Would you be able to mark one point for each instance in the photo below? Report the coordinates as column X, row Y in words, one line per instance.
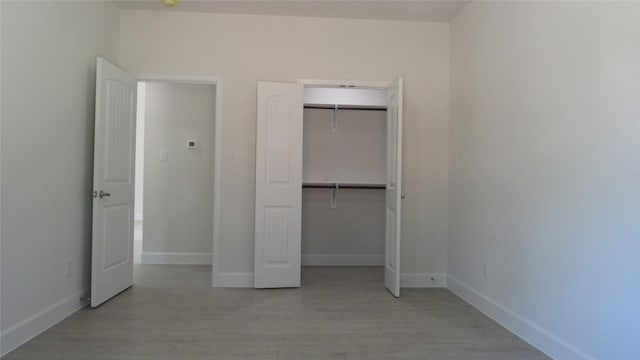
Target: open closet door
column 278, row 219
column 394, row 188
column 113, row 182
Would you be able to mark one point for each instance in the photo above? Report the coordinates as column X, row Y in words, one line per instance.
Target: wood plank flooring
column 339, row 313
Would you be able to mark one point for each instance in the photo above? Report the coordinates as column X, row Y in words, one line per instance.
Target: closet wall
column 544, row 186
column 351, row 230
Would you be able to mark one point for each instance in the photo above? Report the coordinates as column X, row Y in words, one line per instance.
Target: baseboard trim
column 233, row 279
column 527, row 330
column 35, row 324
column 342, row 260
column 417, row 280
column 164, row 258
column 423, row 280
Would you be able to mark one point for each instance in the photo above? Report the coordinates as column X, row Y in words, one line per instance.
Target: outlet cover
column 192, row 144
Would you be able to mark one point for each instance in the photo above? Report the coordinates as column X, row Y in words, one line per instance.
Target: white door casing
column 394, row 188
column 278, row 216
column 113, row 182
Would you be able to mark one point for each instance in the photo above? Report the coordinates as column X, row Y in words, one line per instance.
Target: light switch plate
column 233, row 152
column 164, row 157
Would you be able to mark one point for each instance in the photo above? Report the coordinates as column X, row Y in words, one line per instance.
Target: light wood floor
column 338, row 313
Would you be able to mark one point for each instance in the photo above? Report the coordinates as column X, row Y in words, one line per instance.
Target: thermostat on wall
column 192, row 144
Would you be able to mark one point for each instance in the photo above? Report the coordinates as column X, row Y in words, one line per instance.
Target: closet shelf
column 342, row 185
column 345, row 107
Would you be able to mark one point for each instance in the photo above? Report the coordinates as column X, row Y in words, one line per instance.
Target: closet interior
column 328, row 180
column 344, row 176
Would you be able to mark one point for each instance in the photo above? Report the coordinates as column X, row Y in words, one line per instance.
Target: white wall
column 352, row 233
column 545, row 189
column 355, row 152
column 178, row 193
column 244, row 49
column 48, row 83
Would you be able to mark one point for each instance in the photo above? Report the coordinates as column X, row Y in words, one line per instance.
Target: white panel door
column 278, row 218
column 113, row 182
column 394, row 188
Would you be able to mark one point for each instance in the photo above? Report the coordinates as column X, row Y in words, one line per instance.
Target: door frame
column 368, row 84
column 362, row 84
column 216, row 81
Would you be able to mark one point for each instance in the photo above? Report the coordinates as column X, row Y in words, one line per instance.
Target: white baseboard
column 342, row 260
column 527, row 330
column 35, row 324
column 233, row 279
column 245, row 279
column 162, row 258
column 423, row 280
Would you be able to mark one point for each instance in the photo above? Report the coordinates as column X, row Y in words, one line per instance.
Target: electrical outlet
column 485, row 270
column 68, row 268
column 192, row 144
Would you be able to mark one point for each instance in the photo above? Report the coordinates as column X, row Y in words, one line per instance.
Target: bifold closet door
column 394, row 188
column 278, row 217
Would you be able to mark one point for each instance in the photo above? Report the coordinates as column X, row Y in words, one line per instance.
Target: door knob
column 103, row 194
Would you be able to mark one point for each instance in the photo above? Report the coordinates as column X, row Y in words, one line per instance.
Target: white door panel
column 394, row 188
column 113, row 182
column 278, row 219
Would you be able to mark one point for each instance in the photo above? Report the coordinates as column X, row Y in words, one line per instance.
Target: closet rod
column 343, row 186
column 346, row 107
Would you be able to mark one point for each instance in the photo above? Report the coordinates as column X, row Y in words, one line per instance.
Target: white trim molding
column 35, row 324
column 167, row 258
column 342, row 260
column 233, row 279
column 423, row 280
column 366, row 84
column 525, row 329
column 178, row 78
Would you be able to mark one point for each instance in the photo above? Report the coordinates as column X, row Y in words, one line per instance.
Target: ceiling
column 424, row 10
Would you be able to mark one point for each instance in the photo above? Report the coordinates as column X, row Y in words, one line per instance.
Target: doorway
column 343, row 187
column 282, row 172
column 178, row 145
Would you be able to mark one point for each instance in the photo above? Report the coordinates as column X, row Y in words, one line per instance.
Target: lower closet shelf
column 342, row 185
